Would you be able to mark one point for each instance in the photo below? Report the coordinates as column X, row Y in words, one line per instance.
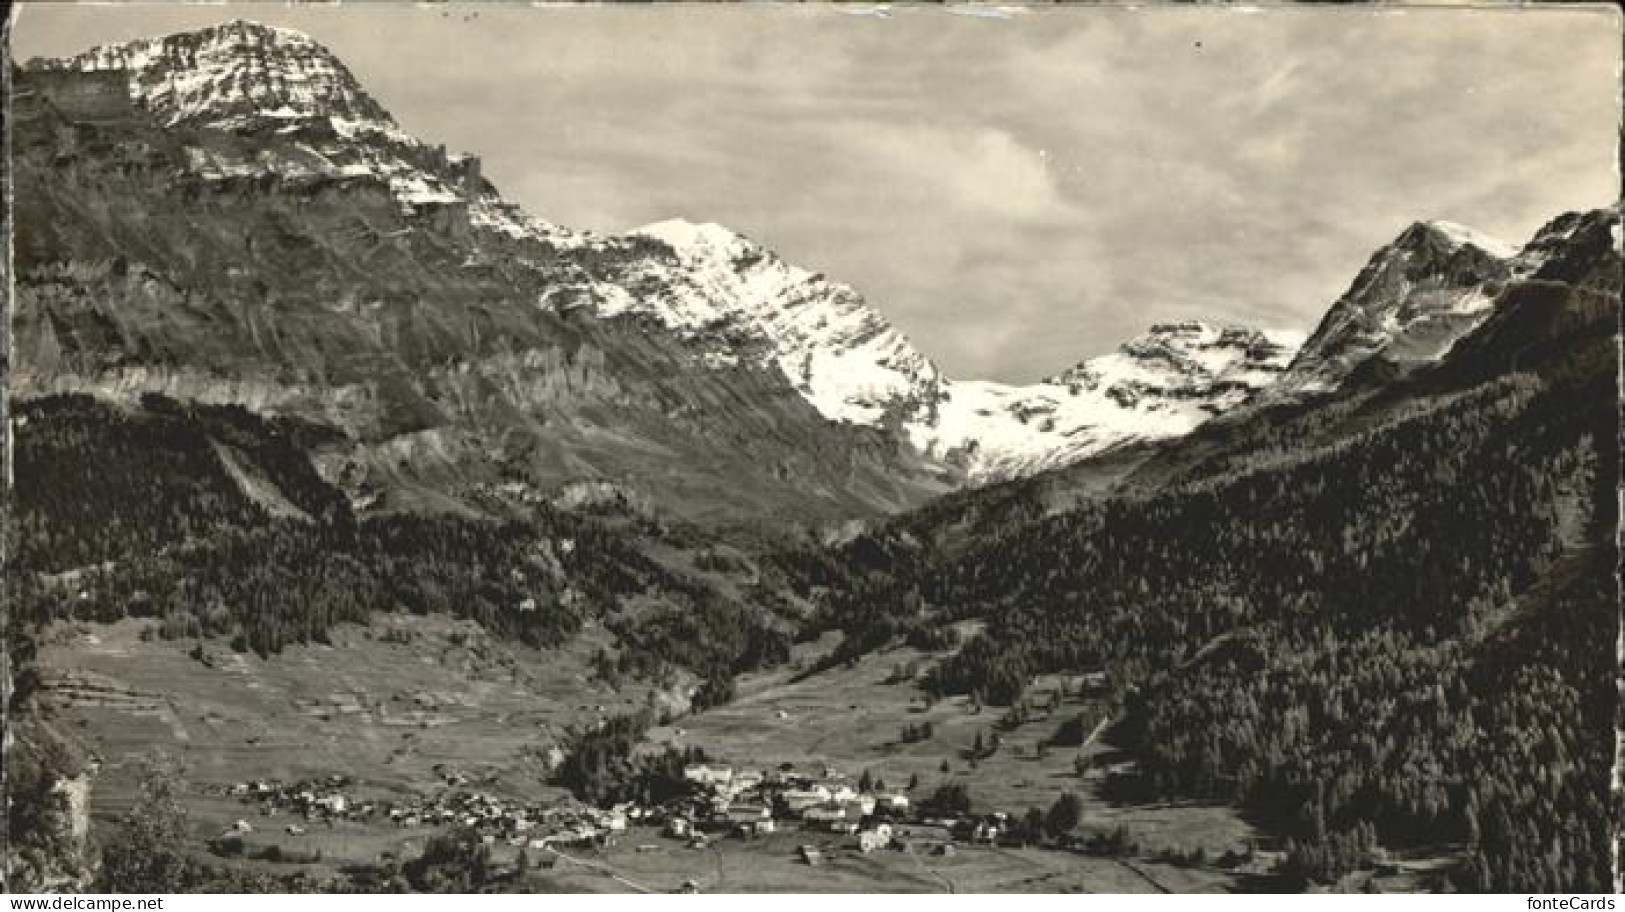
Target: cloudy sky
column 1015, row 192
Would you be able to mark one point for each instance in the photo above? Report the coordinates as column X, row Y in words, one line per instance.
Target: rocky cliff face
column 1561, row 313
column 233, row 75
column 1435, row 283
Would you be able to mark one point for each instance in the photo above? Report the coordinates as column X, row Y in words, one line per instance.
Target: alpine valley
column 481, row 549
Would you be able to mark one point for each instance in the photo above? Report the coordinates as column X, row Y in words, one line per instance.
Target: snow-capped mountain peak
column 694, row 240
column 1417, row 295
column 722, row 289
column 1188, row 357
column 1157, row 385
column 855, row 367
column 235, row 72
column 251, row 79
column 1463, row 235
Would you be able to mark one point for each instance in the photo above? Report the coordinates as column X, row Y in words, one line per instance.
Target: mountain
column 855, row 367
column 1159, row 385
column 278, row 364
column 231, row 217
column 1432, row 285
column 841, row 354
column 232, row 220
column 1415, row 297
column 1370, row 601
column 233, row 75
column 1562, row 313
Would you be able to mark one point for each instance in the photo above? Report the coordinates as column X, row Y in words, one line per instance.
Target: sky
column 1015, row 190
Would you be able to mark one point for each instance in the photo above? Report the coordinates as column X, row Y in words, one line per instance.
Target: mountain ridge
column 729, row 300
column 730, row 297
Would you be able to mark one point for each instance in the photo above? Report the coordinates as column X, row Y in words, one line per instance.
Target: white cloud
column 981, row 171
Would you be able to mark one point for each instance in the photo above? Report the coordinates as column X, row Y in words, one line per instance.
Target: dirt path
column 1100, row 728
column 717, row 854
column 947, row 884
column 605, row 870
column 1143, row 876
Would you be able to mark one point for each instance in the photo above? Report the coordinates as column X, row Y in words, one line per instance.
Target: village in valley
column 846, row 780
column 849, row 779
column 710, row 824
column 822, row 802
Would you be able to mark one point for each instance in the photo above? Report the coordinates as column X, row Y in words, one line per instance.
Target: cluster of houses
column 327, row 800
column 313, row 799
column 720, row 802
column 751, row 803
column 562, row 823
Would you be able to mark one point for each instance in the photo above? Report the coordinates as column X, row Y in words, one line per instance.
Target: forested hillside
column 212, row 523
column 1386, row 618
column 212, row 520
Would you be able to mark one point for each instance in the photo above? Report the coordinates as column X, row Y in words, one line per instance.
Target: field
column 386, row 704
column 851, row 719
column 772, row 864
column 407, row 701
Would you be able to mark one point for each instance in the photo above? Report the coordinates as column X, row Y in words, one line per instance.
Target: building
column 748, row 812
column 750, row 829
column 705, row 774
column 840, row 791
column 800, row 800
column 824, row 815
column 876, row 837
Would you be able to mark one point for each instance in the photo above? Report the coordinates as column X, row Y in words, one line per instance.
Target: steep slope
column 856, row 367
column 288, row 249
column 232, row 74
column 844, row 357
column 1415, row 297
column 1363, row 618
column 1562, row 309
column 320, row 303
column 1433, row 285
column 1557, row 296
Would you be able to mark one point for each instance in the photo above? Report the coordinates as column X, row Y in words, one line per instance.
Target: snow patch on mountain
column 233, row 72
column 245, row 77
column 1461, row 234
column 846, row 359
column 1159, row 385
column 855, row 367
